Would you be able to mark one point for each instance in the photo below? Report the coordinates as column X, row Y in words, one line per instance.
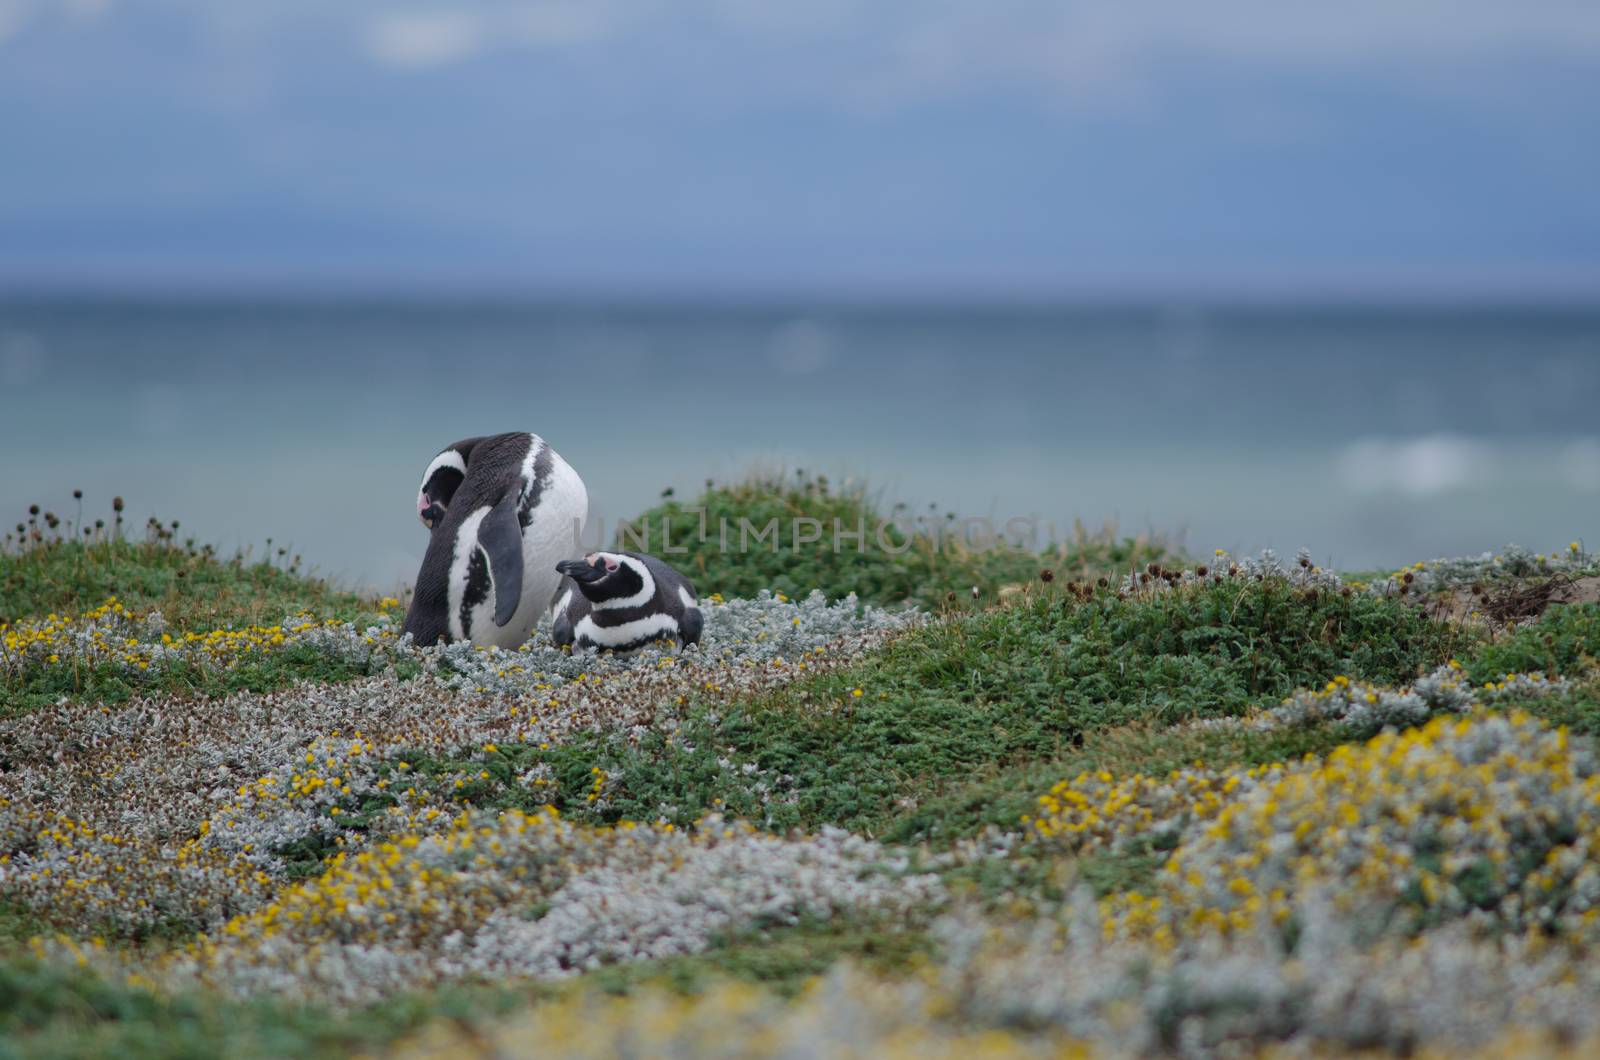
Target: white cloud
column 436, row 38
column 425, row 39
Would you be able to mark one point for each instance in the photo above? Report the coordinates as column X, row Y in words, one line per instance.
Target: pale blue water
column 1372, row 437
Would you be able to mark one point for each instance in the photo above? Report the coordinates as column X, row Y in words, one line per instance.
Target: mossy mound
column 54, row 567
column 793, row 534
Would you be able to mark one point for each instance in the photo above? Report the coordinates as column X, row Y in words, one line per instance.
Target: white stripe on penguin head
column 466, row 544
column 449, row 458
column 647, row 588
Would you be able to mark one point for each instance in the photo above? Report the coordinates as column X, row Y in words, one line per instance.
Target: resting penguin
column 502, row 511
column 622, row 601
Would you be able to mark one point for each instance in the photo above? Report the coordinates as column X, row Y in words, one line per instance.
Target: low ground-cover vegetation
column 998, row 688
column 1195, row 811
column 104, row 614
column 51, row 564
column 798, row 534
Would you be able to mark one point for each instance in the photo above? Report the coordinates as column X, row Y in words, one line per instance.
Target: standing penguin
column 623, row 601
column 502, row 511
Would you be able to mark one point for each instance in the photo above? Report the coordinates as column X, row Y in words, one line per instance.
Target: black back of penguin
column 495, row 466
column 621, row 601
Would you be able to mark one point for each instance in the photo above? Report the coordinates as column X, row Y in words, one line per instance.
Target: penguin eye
column 611, row 565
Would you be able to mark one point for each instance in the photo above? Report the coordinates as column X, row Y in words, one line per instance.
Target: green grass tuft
column 914, row 562
column 192, row 587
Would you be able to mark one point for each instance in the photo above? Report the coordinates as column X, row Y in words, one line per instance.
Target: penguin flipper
column 500, row 537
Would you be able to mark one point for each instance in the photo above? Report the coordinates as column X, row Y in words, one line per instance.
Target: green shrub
column 1560, row 643
column 741, row 538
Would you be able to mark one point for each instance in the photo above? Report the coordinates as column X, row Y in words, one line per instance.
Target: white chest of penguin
column 548, row 537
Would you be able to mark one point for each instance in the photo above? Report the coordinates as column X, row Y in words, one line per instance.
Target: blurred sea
column 1373, row 437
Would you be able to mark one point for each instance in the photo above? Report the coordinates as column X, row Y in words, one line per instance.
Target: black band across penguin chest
column 628, row 628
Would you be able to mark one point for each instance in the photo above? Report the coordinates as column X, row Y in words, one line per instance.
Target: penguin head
column 440, row 481
column 604, row 576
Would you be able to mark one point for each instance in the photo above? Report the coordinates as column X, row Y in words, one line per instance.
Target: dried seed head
column 33, row 509
column 1201, row 571
column 116, row 504
column 77, row 495
column 1102, row 583
column 1047, row 575
column 1409, row 578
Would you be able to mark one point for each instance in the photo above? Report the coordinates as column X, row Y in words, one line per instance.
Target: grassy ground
column 950, row 732
column 191, row 586
column 193, row 589
column 951, row 711
column 921, row 557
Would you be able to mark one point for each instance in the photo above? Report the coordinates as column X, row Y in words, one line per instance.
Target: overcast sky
column 864, row 147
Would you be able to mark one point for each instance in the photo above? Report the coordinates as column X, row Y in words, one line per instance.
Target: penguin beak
column 579, row 571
